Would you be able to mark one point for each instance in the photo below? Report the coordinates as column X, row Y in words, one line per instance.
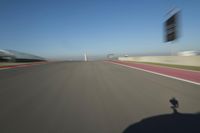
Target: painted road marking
column 20, row 66
column 181, row 79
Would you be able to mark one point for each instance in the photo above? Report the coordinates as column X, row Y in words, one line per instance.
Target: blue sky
column 67, row 28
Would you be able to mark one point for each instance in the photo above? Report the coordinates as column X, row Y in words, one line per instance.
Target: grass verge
column 196, row 68
column 10, row 64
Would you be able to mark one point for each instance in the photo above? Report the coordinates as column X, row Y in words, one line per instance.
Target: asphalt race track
column 94, row 97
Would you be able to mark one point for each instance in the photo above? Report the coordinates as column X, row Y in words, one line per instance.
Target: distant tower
column 85, row 57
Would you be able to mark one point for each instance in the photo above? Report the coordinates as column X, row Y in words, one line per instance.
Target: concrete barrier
column 176, row 60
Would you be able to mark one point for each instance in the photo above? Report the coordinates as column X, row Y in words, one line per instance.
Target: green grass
column 196, row 68
column 10, row 63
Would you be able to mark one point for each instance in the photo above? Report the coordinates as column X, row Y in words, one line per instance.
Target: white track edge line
column 185, row 80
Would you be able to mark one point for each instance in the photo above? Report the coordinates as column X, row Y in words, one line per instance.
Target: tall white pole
column 85, row 57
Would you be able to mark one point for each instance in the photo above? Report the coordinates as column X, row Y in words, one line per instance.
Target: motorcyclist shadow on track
column 168, row 123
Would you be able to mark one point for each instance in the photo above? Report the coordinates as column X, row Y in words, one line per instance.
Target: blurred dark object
column 168, row 123
column 16, row 56
column 171, row 27
column 175, row 104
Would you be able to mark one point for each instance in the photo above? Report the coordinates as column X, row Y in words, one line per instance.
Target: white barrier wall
column 176, row 60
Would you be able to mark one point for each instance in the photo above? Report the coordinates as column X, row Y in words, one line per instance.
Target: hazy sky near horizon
column 66, row 28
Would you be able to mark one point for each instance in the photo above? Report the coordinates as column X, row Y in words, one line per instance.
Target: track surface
column 86, row 97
